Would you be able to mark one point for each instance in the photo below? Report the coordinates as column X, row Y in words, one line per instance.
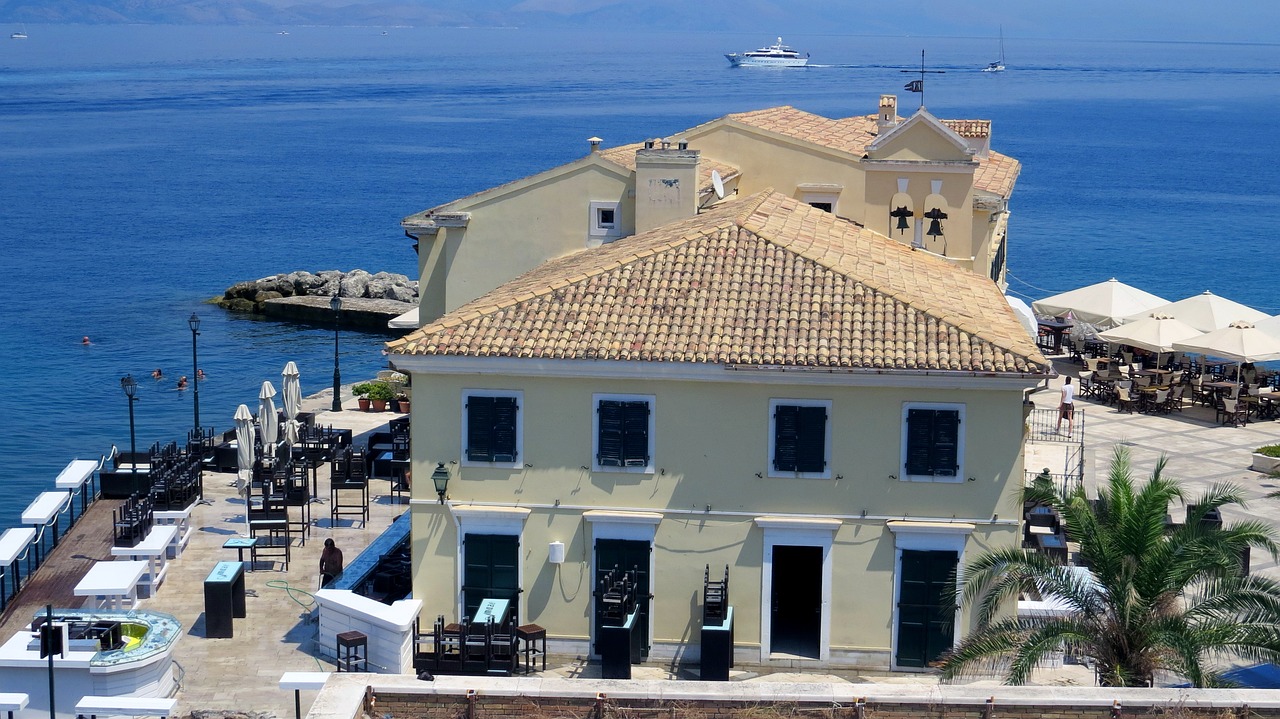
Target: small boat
column 20, row 35
column 777, row 55
column 998, row 65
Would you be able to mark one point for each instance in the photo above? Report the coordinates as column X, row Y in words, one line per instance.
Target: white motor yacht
column 777, row 55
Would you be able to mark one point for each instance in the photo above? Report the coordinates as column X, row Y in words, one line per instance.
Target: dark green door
column 925, row 607
column 492, row 570
column 625, row 554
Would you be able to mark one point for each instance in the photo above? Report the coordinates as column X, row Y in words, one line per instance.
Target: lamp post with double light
column 130, row 387
column 335, row 303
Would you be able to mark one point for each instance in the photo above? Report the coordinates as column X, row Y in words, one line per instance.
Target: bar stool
column 353, row 650
column 534, row 640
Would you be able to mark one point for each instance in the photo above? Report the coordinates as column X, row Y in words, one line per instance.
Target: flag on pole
column 914, row 86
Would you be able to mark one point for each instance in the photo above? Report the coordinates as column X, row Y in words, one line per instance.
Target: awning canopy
column 1105, row 304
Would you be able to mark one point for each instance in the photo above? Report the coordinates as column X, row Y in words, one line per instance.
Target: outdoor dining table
column 153, row 551
column 13, row 543
column 112, row 584
column 74, row 476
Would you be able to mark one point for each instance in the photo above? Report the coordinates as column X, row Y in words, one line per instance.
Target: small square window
column 933, row 443
column 491, row 427
column 624, row 426
column 824, row 206
column 800, row 438
column 605, row 221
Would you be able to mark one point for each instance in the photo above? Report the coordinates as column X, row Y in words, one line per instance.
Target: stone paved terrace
column 1200, row 452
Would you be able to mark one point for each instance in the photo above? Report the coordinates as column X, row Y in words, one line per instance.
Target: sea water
column 145, row 169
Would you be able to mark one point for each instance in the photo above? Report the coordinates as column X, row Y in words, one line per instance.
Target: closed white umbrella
column 1206, row 312
column 244, row 457
column 291, row 388
column 267, row 420
column 292, row 431
column 1105, row 304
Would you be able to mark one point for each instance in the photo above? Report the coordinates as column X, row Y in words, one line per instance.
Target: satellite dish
column 717, row 183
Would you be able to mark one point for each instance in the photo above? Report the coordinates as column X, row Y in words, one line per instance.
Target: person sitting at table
column 1248, row 373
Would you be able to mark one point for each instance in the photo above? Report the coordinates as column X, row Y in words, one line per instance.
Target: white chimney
column 594, row 142
column 887, row 117
column 666, row 185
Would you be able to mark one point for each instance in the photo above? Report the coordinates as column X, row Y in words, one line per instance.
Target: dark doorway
column 492, row 570
column 625, row 555
column 796, row 619
column 925, row 606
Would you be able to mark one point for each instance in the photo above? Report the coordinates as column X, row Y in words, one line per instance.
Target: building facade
column 765, row 387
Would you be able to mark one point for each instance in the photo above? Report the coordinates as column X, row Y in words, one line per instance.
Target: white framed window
column 605, row 220
column 825, row 201
column 492, row 428
column 622, row 430
column 800, row 438
column 932, row 442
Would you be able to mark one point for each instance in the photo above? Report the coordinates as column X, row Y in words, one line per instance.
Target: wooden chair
column 1233, row 412
column 1161, row 403
column 1124, row 401
column 1175, row 396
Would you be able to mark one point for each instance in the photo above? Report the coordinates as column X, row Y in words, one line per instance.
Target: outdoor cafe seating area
column 1238, row 394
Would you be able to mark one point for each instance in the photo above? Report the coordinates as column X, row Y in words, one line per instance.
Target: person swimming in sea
column 157, row 374
column 199, row 375
column 85, row 341
column 182, row 382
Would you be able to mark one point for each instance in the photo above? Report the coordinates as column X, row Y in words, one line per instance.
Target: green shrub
column 362, row 390
column 380, row 391
column 1271, row 450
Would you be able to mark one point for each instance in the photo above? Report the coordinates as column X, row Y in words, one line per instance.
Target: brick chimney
column 666, row 184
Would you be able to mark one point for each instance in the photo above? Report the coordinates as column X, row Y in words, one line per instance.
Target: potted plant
column 361, row 391
column 379, row 394
column 1267, row 459
column 400, row 403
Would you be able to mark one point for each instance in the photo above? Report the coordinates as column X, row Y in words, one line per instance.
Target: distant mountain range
column 718, row 14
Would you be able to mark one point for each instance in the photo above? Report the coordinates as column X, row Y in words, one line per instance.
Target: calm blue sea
column 144, row 169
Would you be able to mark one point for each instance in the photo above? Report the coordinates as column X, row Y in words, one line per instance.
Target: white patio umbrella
column 1270, row 325
column 1206, row 312
column 1156, row 333
column 291, row 388
column 292, row 431
column 244, row 456
column 1239, row 341
column 1105, row 304
column 267, row 421
column 1026, row 317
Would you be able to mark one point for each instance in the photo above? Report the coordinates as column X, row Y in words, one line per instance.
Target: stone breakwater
column 253, row 295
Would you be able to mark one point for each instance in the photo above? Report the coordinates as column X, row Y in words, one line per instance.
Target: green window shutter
column 811, row 439
column 946, row 442
column 919, row 441
column 786, row 438
column 480, row 429
column 635, row 434
column 609, row 439
column 504, row 429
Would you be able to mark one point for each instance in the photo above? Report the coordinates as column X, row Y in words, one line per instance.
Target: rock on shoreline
column 252, row 296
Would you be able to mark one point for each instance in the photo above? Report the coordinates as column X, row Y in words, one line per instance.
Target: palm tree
column 1153, row 597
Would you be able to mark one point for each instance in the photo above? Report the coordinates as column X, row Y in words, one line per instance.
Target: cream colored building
column 831, row 414
column 932, row 184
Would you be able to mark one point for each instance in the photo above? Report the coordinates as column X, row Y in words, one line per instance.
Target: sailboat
column 998, row 65
column 20, row 35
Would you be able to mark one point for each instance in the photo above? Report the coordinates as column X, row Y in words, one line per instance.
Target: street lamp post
column 194, row 323
column 335, row 303
column 130, row 387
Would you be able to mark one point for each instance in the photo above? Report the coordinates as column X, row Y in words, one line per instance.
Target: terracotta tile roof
column 625, row 155
column 851, row 134
column 765, row 280
column 996, row 173
column 971, row 129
